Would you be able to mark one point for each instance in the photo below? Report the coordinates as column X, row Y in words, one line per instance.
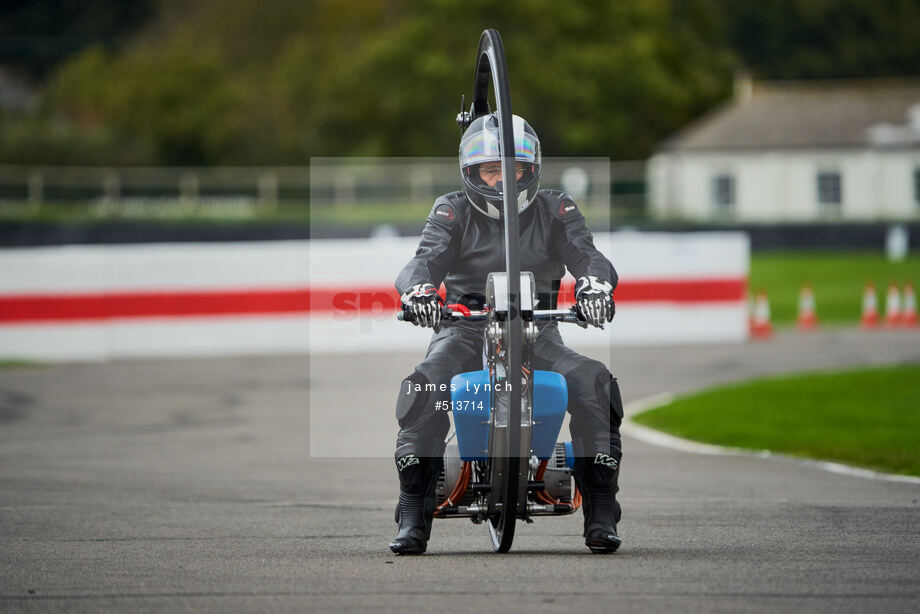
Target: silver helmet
column 481, row 144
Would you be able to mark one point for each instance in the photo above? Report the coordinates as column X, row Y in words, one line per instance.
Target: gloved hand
column 424, row 303
column 594, row 300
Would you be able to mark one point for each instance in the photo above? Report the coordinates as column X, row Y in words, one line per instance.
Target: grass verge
column 868, row 417
column 14, row 363
column 239, row 211
column 837, row 277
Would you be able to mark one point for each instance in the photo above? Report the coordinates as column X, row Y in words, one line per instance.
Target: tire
column 492, row 66
column 501, row 525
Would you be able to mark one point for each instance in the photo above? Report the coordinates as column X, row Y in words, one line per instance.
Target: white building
column 796, row 151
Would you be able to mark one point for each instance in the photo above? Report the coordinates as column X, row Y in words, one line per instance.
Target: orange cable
column 544, row 496
column 463, row 482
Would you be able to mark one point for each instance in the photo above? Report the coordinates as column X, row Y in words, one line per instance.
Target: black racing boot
column 596, row 479
column 418, row 480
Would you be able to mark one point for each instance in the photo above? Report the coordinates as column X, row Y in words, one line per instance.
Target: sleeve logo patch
column 445, row 211
column 566, row 207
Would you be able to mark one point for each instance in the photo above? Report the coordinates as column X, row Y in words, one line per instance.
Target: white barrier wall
column 115, row 301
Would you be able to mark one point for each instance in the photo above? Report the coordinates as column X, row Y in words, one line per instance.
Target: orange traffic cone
column 760, row 323
column 869, row 307
column 893, row 306
column 807, row 320
column 909, row 317
column 750, row 311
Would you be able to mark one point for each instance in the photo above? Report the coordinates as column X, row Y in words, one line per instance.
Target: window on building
column 723, row 193
column 829, row 192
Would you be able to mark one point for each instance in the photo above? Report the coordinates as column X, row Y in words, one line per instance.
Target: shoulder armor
column 560, row 205
column 449, row 209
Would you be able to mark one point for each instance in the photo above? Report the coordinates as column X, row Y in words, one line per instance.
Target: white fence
column 324, row 182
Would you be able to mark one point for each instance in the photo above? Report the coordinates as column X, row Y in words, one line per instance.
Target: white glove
column 424, row 303
column 594, row 300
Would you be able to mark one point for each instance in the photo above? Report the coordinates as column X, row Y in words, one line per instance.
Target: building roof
column 808, row 114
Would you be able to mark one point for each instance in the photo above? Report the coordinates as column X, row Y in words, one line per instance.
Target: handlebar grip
column 408, row 316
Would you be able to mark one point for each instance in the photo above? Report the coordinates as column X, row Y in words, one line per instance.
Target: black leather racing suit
column 461, row 247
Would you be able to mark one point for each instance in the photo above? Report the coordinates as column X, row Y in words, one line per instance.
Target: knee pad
column 413, row 394
column 608, row 391
column 425, row 448
column 598, row 449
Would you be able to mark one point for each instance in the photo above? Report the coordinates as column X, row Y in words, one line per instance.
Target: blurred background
column 203, row 207
column 794, row 121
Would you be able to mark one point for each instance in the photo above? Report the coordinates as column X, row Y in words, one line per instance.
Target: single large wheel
column 506, row 448
column 501, row 524
column 503, row 469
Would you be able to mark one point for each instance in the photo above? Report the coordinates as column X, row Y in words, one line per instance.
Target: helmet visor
column 483, row 145
column 488, row 176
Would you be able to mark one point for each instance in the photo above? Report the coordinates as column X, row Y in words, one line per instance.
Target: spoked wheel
column 501, row 524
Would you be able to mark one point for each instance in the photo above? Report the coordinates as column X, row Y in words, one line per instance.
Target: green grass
column 13, row 363
column 369, row 214
column 230, row 212
column 838, row 279
column 168, row 213
column 219, row 213
column 868, row 417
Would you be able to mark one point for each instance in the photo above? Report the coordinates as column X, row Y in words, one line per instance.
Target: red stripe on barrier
column 170, row 304
column 678, row 291
column 371, row 300
column 381, row 299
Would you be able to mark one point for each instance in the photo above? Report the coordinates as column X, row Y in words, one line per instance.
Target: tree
column 821, row 39
column 237, row 82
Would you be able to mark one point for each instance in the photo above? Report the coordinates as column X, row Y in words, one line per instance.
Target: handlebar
column 447, row 314
column 540, row 315
column 558, row 315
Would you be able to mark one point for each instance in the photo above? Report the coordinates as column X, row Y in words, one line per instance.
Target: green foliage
column 178, row 99
column 237, row 83
column 594, row 79
column 869, row 417
column 35, row 35
column 41, row 139
column 247, row 82
column 821, row 39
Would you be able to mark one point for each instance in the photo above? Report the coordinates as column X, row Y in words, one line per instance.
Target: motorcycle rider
column 461, row 243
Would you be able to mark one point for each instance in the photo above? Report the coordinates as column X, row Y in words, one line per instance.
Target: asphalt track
column 186, row 485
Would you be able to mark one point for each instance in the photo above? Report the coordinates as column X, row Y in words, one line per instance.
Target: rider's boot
column 596, row 479
column 418, row 480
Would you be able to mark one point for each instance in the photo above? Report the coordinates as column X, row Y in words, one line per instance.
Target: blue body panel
column 569, row 454
column 472, row 399
column 550, row 398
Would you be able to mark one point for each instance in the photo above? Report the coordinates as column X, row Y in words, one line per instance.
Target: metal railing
column 86, row 184
column 325, row 182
